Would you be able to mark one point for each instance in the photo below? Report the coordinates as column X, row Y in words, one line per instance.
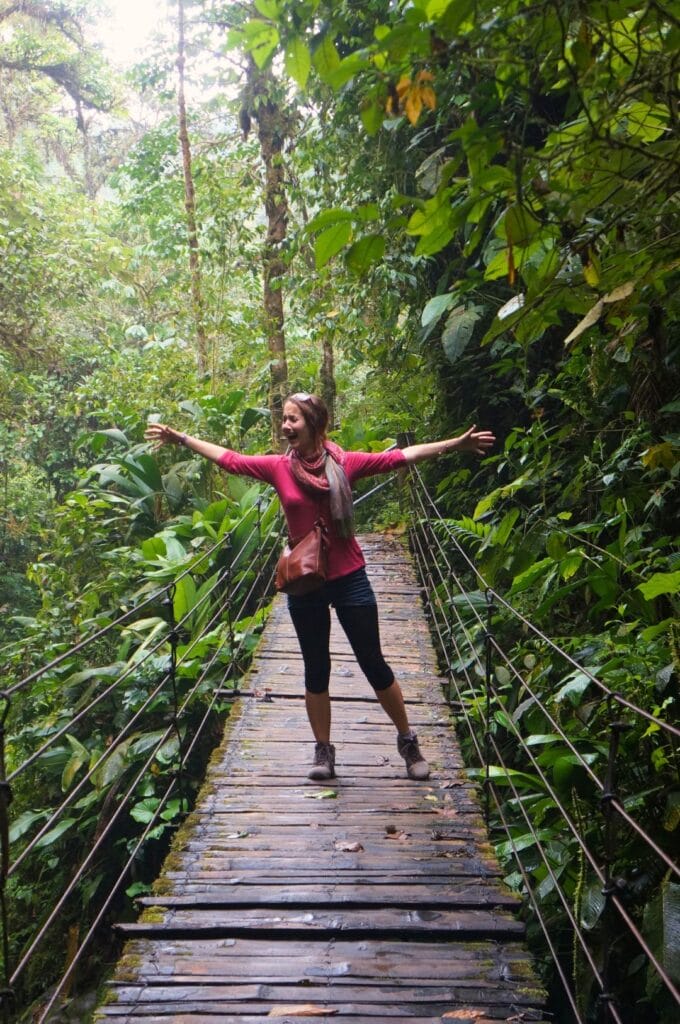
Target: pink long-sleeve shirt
column 302, row 508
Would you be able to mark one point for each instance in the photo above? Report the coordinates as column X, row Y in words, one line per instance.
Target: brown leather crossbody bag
column 303, row 566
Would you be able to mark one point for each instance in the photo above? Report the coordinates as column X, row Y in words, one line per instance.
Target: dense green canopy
column 434, row 212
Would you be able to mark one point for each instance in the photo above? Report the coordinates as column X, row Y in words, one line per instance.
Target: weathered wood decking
column 371, row 898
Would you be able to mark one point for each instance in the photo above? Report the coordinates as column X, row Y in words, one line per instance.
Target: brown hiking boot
column 417, row 767
column 324, row 762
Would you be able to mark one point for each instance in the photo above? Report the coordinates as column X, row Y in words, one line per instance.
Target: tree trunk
column 328, row 389
column 190, row 205
column 90, row 186
column 272, row 128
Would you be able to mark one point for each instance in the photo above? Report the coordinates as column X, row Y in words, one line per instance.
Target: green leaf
column 525, row 842
column 458, row 330
column 73, row 766
column 326, row 59
column 539, row 738
column 145, row 811
column 372, row 113
column 298, row 61
column 660, row 583
column 573, row 689
column 518, row 225
column 262, row 38
column 436, row 307
column 365, row 251
column 501, row 777
column 527, row 578
column 435, row 240
column 349, row 67
column 55, row 833
column 334, row 215
column 185, row 597
column 501, row 533
column 267, row 8
column 324, row 794
column 23, row 823
column 114, row 433
column 330, row 242
column 570, row 564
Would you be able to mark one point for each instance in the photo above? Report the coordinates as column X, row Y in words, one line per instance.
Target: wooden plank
column 417, row 923
column 237, row 1014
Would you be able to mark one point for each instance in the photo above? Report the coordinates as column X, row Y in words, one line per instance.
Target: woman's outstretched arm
column 476, row 441
column 159, row 435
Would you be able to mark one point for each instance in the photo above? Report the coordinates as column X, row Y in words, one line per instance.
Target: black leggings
column 360, row 623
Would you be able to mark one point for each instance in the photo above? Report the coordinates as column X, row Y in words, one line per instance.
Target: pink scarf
column 324, row 473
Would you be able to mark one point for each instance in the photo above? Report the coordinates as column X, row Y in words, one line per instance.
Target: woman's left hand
column 476, row 441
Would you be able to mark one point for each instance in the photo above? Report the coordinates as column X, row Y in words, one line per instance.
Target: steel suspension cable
column 546, row 861
column 76, row 648
column 534, row 629
column 670, row 864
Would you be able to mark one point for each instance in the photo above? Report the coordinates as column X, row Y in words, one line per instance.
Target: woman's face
column 296, row 430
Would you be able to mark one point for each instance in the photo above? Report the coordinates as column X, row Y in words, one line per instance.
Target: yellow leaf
column 660, row 455
column 591, row 317
column 512, row 272
column 622, row 292
column 425, row 76
column 591, row 275
column 428, row 97
column 302, row 1010
column 403, row 85
column 413, row 106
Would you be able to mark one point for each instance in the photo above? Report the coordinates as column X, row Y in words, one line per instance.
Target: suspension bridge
column 369, row 898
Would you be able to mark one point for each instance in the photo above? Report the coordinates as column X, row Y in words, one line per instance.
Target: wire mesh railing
column 121, row 763
column 561, row 800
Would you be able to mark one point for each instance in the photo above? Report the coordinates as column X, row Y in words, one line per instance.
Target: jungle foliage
column 481, row 226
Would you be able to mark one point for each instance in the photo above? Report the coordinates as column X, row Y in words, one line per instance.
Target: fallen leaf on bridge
column 348, row 847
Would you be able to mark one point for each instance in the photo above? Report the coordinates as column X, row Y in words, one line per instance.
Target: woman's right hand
column 159, row 434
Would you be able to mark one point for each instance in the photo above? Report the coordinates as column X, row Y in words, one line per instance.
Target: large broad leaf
column 573, row 689
column 261, row 38
column 114, row 434
column 660, row 583
column 366, row 251
column 185, row 597
column 518, row 225
column 330, row 242
column 24, row 822
column 436, row 307
column 252, row 415
column 326, row 59
column 298, row 61
column 527, row 578
column 458, row 330
column 334, row 215
column 55, row 833
column 347, row 69
column 268, row 8
column 145, row 469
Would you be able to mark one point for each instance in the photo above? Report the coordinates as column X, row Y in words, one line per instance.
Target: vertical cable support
column 612, row 886
column 6, row 993
column 488, row 676
column 173, row 638
column 230, row 621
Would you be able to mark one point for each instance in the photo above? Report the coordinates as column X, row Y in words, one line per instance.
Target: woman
column 313, row 479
